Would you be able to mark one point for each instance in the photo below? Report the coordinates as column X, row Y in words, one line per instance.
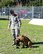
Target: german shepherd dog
column 23, row 39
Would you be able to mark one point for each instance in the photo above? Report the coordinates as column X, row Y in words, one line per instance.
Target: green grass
column 35, row 33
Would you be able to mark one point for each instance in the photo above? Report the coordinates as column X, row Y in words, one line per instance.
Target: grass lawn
column 35, row 33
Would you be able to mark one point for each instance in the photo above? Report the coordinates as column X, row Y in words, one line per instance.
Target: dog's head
column 17, row 42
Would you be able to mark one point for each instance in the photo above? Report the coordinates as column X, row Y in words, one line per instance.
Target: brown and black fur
column 25, row 40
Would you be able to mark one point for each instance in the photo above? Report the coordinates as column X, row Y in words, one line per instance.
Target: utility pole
column 8, row 11
column 42, row 2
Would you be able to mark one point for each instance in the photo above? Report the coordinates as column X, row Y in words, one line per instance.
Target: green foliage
column 24, row 2
column 5, row 3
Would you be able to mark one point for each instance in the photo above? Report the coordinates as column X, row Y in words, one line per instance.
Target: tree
column 5, row 3
column 23, row 2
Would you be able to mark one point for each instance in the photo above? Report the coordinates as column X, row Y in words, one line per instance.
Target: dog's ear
column 22, row 35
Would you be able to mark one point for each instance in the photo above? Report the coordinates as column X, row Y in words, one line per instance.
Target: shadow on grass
column 37, row 43
column 34, row 46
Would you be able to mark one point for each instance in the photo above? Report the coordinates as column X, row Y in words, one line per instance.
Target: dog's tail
column 37, row 43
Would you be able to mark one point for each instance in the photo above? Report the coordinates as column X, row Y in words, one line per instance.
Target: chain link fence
column 23, row 12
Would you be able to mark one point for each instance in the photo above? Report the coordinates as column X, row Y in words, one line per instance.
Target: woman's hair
column 11, row 12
